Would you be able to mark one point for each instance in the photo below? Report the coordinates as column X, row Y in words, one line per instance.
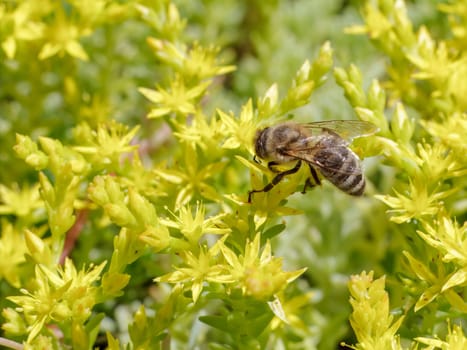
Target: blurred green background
column 267, row 41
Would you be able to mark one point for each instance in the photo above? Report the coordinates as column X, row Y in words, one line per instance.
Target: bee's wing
column 347, row 129
column 308, row 155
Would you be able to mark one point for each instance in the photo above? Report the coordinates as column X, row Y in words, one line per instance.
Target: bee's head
column 260, row 142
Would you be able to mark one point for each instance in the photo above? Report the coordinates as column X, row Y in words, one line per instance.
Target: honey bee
column 322, row 145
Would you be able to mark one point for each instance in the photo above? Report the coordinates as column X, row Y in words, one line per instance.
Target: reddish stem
column 73, row 234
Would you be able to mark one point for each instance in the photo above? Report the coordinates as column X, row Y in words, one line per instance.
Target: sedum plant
column 123, row 232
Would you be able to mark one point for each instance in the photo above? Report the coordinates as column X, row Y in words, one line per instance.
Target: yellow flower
column 260, row 276
column 20, row 25
column 449, row 238
column 178, row 99
column 287, row 311
column 455, row 340
column 240, row 131
column 20, row 202
column 417, row 202
column 203, row 133
column 371, row 320
column 60, row 295
column 434, row 282
column 452, row 132
column 196, row 63
column 193, row 227
column 201, row 63
column 197, row 270
column 62, row 37
column 192, row 178
column 107, row 144
column 438, row 162
column 12, row 250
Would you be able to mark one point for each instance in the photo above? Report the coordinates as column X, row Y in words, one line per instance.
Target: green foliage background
column 126, row 159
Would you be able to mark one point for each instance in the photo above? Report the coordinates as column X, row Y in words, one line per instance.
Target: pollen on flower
column 260, row 284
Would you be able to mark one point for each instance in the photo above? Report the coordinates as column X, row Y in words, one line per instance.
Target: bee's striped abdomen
column 342, row 168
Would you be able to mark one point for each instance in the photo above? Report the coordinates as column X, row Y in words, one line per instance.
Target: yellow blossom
column 192, row 178
column 59, row 296
column 289, row 310
column 455, row 340
column 242, row 130
column 417, row 202
column 258, row 275
column 371, row 319
column 197, row 270
column 12, row 253
column 448, row 237
column 193, row 227
column 178, row 99
column 22, row 202
column 106, row 144
column 197, row 63
column 62, row 36
column 20, row 24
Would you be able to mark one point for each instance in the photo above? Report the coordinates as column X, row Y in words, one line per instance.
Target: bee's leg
column 256, row 160
column 315, row 176
column 316, row 180
column 308, row 184
column 271, row 166
column 278, row 178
